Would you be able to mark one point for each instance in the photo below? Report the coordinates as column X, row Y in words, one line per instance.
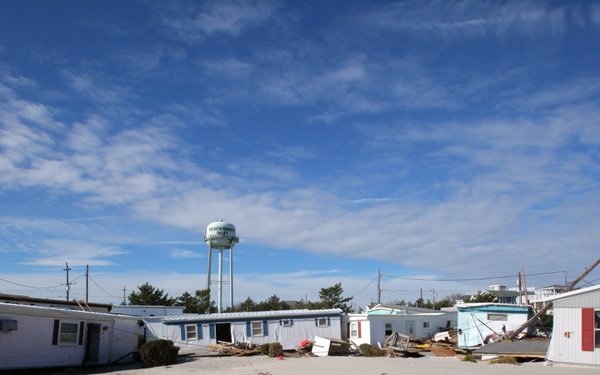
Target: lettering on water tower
column 222, row 231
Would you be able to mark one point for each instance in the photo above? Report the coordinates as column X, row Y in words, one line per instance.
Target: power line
column 30, row 286
column 362, row 290
column 108, row 294
column 471, row 279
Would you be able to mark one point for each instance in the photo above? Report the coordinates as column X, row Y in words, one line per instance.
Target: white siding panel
column 591, row 299
column 566, row 339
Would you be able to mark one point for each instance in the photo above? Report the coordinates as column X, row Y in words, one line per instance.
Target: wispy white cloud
column 421, row 157
column 473, row 19
column 192, row 23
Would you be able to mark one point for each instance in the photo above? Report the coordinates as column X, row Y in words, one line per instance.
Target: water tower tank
column 220, row 235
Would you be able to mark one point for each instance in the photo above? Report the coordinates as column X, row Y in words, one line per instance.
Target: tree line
column 200, row 303
column 329, row 298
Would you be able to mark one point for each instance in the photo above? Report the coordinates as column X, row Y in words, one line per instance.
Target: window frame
column 194, row 331
column 388, row 328
column 257, row 328
column 497, row 317
column 287, row 322
column 596, row 328
column 322, row 322
column 354, row 330
column 426, row 325
column 64, row 338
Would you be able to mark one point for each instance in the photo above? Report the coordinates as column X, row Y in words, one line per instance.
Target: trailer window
column 322, row 322
column 597, row 328
column 191, row 332
column 257, row 329
column 354, row 331
column 497, row 317
column 68, row 333
column 388, row 329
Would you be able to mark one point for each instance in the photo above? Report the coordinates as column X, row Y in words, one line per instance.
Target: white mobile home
column 478, row 323
column 576, row 332
column 379, row 322
column 59, row 304
column 287, row 327
column 146, row 310
column 42, row 337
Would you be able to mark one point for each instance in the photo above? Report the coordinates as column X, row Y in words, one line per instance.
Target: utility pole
column 421, row 300
column 545, row 308
column 68, row 284
column 378, row 286
column 433, row 292
column 524, row 286
column 87, row 283
column 124, row 298
column 520, row 289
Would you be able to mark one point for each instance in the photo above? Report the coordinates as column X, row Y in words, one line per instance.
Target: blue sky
column 447, row 143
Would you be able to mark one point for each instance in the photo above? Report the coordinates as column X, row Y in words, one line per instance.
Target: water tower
column 221, row 236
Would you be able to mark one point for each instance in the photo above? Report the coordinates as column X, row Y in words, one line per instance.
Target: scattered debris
column 323, row 347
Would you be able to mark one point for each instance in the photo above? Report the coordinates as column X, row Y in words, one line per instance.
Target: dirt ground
column 198, row 364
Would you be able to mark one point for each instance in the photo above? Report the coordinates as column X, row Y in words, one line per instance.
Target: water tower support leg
column 231, row 277
column 220, row 297
column 209, row 266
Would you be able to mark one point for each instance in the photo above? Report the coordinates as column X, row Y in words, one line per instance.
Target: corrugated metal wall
column 566, row 346
column 591, row 299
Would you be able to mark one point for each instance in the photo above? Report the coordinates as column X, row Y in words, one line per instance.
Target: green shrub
column 365, row 349
column 469, row 358
column 275, row 350
column 159, row 353
column 508, row 360
column 264, row 349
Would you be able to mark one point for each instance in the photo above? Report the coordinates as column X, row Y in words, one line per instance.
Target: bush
column 365, row 349
column 264, row 349
column 371, row 351
column 508, row 360
column 275, row 350
column 469, row 358
column 159, row 353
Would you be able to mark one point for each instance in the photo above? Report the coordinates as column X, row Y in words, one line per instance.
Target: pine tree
column 331, row 298
column 150, row 296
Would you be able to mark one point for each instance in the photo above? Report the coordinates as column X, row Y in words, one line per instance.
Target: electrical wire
column 363, row 289
column 30, row 286
column 470, row 279
column 105, row 292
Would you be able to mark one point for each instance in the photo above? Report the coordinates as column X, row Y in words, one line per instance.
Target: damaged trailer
column 45, row 337
column 287, row 327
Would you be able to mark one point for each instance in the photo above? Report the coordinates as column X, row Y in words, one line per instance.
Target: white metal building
column 379, row 322
column 576, row 332
column 478, row 323
column 42, row 337
column 287, row 327
column 146, row 310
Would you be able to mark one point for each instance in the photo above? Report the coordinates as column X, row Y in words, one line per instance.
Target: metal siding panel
column 566, row 339
column 591, row 299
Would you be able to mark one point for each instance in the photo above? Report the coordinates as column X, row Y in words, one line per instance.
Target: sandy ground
column 263, row 365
